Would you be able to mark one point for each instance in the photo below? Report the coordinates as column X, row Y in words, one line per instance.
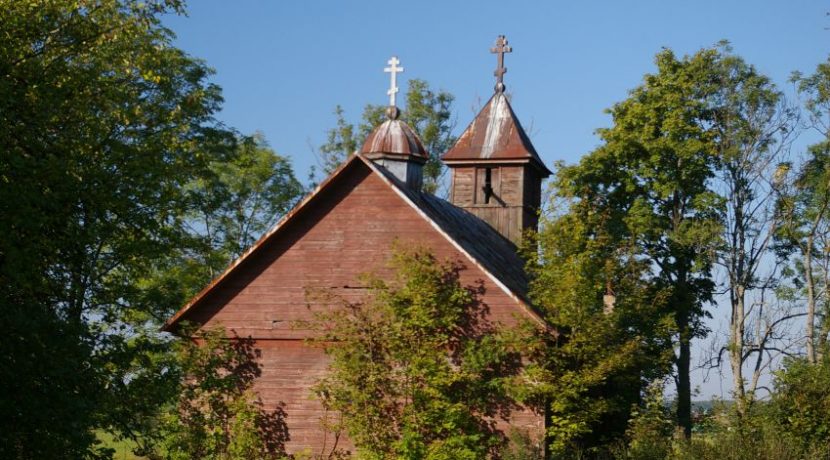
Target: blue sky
column 284, row 65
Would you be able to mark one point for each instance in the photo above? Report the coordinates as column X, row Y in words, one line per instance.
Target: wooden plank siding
column 462, row 192
column 511, row 210
column 348, row 229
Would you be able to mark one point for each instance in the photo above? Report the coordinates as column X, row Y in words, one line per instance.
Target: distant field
column 123, row 449
column 709, row 404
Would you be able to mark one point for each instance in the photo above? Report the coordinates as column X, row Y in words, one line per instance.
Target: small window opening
column 488, row 185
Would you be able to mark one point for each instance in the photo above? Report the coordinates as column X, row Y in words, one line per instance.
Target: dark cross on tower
column 500, row 48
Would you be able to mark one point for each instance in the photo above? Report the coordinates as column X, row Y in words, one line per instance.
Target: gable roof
column 481, row 244
column 473, row 236
column 495, row 135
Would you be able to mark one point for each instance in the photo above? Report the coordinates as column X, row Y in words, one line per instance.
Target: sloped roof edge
column 169, row 325
column 460, row 152
column 173, row 320
column 518, row 297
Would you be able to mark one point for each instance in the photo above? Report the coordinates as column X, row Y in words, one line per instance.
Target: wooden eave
column 521, row 300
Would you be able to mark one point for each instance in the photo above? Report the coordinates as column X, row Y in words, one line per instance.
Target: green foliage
column 101, row 122
column 341, row 142
column 637, row 222
column 804, row 205
column 755, row 435
column 417, row 371
column 522, row 446
column 427, row 112
column 108, row 148
column 661, row 144
column 651, row 427
column 239, row 200
column 591, row 371
column 215, row 415
column 816, row 89
column 801, row 404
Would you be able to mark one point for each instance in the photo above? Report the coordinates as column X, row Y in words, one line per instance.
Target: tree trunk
column 736, row 349
column 810, row 327
column 824, row 322
column 684, row 386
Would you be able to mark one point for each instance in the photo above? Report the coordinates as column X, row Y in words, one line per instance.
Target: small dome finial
column 393, row 70
column 393, row 112
column 500, row 48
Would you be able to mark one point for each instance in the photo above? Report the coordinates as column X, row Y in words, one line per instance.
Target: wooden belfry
column 496, row 173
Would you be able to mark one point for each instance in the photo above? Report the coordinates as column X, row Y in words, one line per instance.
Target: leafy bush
column 756, row 436
column 801, row 402
column 650, row 428
column 215, row 415
column 417, row 370
column 523, row 446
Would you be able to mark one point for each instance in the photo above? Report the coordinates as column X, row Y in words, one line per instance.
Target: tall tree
column 806, row 209
column 661, row 141
column 606, row 347
column 803, row 236
column 649, row 181
column 428, row 112
column 102, row 121
column 241, row 198
column 751, row 128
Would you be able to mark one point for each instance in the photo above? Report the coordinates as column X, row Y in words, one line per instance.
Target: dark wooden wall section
column 463, row 188
column 516, row 189
column 348, row 229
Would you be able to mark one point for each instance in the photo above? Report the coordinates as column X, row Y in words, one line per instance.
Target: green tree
column 102, row 121
column 751, row 130
column 805, row 208
column 606, row 346
column 800, row 404
column 660, row 139
column 428, row 112
column 417, row 371
column 341, row 142
column 642, row 200
column 241, row 198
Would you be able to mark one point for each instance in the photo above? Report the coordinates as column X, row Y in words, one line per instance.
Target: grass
column 123, row 449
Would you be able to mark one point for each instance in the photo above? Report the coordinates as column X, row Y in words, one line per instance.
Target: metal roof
column 394, row 137
column 495, row 255
column 495, row 135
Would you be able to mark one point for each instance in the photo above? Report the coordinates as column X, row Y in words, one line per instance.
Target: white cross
column 394, row 70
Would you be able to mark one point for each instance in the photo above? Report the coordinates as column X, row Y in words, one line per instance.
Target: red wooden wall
column 347, row 229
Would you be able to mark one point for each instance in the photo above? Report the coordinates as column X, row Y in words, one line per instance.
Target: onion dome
column 394, row 139
column 393, row 145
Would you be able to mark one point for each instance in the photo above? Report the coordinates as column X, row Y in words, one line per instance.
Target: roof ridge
column 508, row 282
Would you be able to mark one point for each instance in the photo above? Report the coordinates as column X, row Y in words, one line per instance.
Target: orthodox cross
column 500, row 48
column 394, row 70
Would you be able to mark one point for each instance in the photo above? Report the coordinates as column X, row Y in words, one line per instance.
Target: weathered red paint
column 394, row 137
column 346, row 228
column 495, row 136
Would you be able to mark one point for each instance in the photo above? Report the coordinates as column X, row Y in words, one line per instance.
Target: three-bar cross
column 500, row 48
column 394, row 70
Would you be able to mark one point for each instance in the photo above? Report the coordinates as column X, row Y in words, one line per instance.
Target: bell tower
column 496, row 173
